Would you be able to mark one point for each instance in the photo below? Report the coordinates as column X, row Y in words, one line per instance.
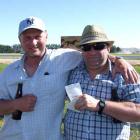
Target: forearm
column 124, row 111
column 122, row 66
column 7, row 106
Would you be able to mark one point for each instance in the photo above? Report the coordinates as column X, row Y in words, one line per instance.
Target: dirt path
column 134, row 62
column 7, row 61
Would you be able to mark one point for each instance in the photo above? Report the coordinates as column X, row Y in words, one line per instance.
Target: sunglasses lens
column 97, row 46
column 86, row 48
column 100, row 46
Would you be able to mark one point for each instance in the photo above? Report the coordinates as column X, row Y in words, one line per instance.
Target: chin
column 34, row 54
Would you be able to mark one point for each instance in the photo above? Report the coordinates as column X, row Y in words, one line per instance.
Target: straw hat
column 94, row 34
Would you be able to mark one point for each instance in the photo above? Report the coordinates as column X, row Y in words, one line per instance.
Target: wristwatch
column 101, row 105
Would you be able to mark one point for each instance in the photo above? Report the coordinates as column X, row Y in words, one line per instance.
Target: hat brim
column 110, row 42
column 31, row 27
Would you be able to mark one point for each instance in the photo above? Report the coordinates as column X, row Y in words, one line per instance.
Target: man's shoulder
column 64, row 53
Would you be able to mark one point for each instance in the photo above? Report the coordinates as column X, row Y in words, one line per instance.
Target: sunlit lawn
column 137, row 68
column 135, row 134
column 2, row 66
column 1, row 122
column 122, row 54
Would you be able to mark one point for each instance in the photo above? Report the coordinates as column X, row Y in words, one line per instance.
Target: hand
column 25, row 103
column 86, row 101
column 128, row 72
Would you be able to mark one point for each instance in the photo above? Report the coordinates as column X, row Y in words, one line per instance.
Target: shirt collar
column 82, row 68
column 20, row 63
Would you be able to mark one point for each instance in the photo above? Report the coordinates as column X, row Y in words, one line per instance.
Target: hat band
column 94, row 39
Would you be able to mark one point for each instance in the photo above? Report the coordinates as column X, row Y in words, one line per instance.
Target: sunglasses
column 97, row 47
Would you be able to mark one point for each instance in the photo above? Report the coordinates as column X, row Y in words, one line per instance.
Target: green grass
column 137, row 69
column 135, row 134
column 122, row 54
column 2, row 66
column 1, row 122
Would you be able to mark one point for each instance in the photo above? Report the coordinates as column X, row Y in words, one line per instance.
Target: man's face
column 33, row 42
column 93, row 58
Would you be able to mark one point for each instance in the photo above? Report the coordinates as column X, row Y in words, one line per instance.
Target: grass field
column 137, row 69
column 122, row 54
column 1, row 123
column 2, row 66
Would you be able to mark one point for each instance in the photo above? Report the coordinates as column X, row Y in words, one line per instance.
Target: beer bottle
column 17, row 114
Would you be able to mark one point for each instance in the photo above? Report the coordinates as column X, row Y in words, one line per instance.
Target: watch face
column 102, row 104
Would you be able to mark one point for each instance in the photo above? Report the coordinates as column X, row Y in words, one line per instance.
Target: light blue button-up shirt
column 44, row 122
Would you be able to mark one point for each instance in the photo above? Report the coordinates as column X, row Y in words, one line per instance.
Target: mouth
column 35, row 46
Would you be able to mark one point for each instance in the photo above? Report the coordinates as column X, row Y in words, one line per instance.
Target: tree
column 53, row 46
column 115, row 49
column 17, row 48
column 6, row 49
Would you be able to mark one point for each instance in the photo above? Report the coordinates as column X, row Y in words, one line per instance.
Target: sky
column 120, row 19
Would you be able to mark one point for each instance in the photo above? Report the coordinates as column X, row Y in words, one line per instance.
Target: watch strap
column 101, row 105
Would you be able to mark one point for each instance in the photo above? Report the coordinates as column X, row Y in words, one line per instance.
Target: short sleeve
column 130, row 92
column 3, row 89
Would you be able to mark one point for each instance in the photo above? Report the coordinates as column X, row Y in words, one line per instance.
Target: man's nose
column 92, row 51
column 34, row 41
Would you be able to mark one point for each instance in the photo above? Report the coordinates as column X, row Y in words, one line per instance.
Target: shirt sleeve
column 130, row 92
column 3, row 89
column 65, row 59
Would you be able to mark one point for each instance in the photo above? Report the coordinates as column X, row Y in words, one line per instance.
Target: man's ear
column 108, row 48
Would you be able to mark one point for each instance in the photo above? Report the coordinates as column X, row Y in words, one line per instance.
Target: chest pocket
column 50, row 84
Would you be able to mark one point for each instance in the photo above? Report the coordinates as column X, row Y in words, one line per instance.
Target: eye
column 38, row 37
column 26, row 37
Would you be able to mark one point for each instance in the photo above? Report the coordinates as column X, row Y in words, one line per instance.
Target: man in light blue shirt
column 43, row 75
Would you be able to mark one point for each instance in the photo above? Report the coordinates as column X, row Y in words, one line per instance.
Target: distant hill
column 130, row 50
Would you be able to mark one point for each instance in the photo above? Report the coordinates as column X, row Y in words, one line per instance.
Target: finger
column 79, row 103
column 125, row 75
column 135, row 76
column 80, row 98
column 33, row 99
column 32, row 106
column 131, row 78
column 80, row 106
